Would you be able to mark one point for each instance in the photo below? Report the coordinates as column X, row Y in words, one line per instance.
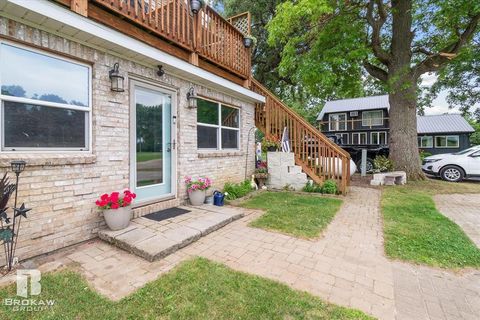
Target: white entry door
column 152, row 146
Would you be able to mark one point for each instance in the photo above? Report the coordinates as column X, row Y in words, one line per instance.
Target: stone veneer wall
column 62, row 187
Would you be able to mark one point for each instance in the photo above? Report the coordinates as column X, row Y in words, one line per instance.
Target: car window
column 467, row 150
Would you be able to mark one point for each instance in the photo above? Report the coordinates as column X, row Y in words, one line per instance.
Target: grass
column 416, row 231
column 147, row 156
column 197, row 289
column 299, row 215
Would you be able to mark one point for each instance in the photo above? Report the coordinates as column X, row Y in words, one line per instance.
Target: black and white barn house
column 364, row 121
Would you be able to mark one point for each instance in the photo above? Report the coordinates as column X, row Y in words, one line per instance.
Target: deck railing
column 320, row 158
column 206, row 33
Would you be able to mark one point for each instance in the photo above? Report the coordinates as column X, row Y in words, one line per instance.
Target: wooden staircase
column 320, row 158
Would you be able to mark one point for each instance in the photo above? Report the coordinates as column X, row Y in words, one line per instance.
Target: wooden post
column 80, row 7
column 193, row 59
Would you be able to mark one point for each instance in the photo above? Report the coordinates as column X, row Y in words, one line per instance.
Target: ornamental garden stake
column 10, row 226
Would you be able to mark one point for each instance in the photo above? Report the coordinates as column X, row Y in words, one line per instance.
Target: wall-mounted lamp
column 196, row 5
column 160, row 71
column 18, row 166
column 117, row 81
column 192, row 98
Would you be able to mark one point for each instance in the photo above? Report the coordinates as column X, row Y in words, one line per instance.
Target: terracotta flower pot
column 197, row 197
column 118, row 219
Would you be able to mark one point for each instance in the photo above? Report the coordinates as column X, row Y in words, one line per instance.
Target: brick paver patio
column 346, row 266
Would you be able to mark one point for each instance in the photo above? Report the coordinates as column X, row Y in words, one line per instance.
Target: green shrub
column 424, row 154
column 382, row 164
column 329, row 187
column 237, row 190
column 312, row 187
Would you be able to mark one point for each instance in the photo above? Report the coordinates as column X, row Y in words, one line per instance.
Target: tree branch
column 375, row 71
column 376, row 24
column 435, row 61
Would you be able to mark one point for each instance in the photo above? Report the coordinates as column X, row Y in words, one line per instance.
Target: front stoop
column 154, row 240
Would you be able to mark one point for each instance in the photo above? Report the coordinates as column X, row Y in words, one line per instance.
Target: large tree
column 335, row 46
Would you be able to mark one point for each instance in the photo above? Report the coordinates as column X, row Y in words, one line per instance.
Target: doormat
column 166, row 214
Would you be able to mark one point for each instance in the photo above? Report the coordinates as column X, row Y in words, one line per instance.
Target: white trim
column 420, row 142
column 88, row 149
column 378, row 133
column 337, row 122
column 359, row 140
column 342, row 135
column 446, row 142
column 68, row 17
column 372, row 124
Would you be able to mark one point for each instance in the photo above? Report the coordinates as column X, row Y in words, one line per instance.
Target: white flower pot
column 118, row 219
column 197, row 197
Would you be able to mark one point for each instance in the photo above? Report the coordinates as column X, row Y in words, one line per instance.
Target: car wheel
column 452, row 174
column 369, row 166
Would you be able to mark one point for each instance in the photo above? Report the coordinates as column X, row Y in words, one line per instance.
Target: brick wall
column 62, row 187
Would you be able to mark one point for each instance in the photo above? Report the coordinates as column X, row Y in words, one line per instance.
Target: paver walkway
column 346, row 266
column 464, row 210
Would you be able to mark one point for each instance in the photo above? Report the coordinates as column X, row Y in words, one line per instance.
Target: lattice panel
column 242, row 22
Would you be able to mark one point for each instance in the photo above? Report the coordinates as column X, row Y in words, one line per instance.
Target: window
column 447, row 141
column 337, row 122
column 378, row 138
column 372, row 118
column 45, row 101
column 343, row 137
column 425, row 142
column 218, row 125
column 359, row 138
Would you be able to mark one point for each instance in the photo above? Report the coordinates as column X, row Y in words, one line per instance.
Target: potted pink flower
column 196, row 189
column 116, row 208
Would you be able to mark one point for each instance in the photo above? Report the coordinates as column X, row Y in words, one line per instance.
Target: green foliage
column 415, row 231
column 330, row 187
column 299, row 215
column 312, row 187
column 236, row 190
column 382, row 164
column 197, row 289
column 475, row 137
column 424, row 154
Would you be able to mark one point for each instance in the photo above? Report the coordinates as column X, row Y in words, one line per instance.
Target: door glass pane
column 32, row 126
column 229, row 139
column 207, row 137
column 230, row 117
column 149, row 113
column 43, row 77
column 207, row 112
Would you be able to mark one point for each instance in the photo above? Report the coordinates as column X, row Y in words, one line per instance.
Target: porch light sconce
column 192, row 98
column 117, row 80
column 196, row 5
column 18, row 166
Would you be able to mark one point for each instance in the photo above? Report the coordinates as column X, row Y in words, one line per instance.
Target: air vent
column 354, row 114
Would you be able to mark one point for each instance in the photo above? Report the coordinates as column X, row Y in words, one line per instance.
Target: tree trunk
column 403, row 133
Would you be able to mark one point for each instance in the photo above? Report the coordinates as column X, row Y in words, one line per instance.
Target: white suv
column 454, row 167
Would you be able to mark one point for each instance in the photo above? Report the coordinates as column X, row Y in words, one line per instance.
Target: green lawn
column 415, row 231
column 147, row 156
column 299, row 215
column 197, row 289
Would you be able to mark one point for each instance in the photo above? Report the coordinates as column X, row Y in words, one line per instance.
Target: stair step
column 154, row 240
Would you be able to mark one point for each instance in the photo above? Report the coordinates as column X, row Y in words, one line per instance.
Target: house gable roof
column 444, row 123
column 356, row 104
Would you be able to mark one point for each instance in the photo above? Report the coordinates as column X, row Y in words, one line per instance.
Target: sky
column 440, row 105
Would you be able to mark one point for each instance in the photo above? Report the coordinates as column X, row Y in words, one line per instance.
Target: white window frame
column 87, row 110
column 337, row 122
column 368, row 122
column 359, row 140
column 219, row 126
column 446, row 144
column 378, row 133
column 343, row 135
column 420, row 142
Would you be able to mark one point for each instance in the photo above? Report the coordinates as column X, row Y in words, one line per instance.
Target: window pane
column 207, row 137
column 207, row 112
column 440, row 141
column 229, row 139
column 374, row 138
column 383, row 138
column 370, row 118
column 452, row 141
column 230, row 117
column 149, row 107
column 42, row 77
column 32, row 126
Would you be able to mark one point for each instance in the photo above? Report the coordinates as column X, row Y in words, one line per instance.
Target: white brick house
column 81, row 139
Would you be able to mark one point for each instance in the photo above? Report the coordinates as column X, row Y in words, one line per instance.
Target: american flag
column 285, row 141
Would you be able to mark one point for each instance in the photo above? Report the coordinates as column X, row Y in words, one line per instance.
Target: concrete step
column 153, row 240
